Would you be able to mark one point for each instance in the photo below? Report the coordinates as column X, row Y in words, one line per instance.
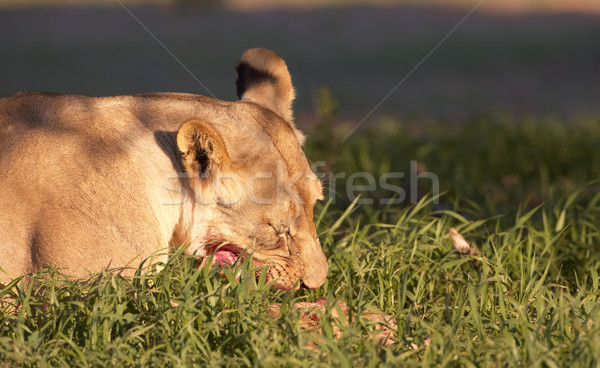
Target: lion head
column 251, row 184
column 82, row 179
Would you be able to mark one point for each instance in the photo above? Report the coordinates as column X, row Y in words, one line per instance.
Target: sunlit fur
column 87, row 183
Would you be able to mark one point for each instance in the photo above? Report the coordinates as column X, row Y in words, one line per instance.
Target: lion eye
column 280, row 229
column 284, row 230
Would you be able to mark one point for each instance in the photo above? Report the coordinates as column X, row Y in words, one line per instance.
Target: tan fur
column 195, row 135
column 90, row 182
column 274, row 90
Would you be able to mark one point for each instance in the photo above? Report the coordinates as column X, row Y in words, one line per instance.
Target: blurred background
column 519, row 56
column 505, row 111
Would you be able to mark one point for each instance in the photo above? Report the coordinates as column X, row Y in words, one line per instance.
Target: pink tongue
column 224, row 258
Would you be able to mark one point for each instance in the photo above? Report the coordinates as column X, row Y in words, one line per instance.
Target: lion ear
column 202, row 148
column 263, row 78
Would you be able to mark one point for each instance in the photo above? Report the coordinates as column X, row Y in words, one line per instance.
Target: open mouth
column 224, row 254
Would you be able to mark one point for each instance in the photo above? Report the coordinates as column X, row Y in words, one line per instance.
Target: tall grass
column 531, row 299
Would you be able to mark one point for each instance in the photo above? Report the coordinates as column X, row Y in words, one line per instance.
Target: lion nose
column 315, row 279
column 316, row 270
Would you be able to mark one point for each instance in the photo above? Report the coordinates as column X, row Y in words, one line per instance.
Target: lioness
column 87, row 183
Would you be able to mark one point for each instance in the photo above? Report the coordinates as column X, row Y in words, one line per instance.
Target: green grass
column 525, row 192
